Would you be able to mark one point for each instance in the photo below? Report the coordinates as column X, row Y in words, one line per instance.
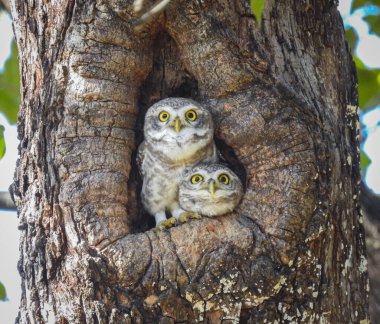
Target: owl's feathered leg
column 160, row 217
column 161, row 221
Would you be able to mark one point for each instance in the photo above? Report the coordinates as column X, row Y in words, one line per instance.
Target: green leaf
column 2, row 142
column 365, row 161
column 369, row 85
column 3, row 293
column 10, row 87
column 374, row 23
column 361, row 3
column 352, row 39
column 257, row 7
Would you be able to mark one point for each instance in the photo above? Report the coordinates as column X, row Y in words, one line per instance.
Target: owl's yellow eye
column 163, row 116
column 196, row 178
column 191, row 115
column 224, row 178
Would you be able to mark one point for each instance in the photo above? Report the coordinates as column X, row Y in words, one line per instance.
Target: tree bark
column 371, row 208
column 284, row 101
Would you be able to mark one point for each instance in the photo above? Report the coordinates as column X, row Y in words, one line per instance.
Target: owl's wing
column 140, row 157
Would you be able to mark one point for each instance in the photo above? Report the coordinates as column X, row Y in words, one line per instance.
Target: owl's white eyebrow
column 190, row 106
column 223, row 172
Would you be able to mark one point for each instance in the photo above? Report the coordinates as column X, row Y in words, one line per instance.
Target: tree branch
column 4, row 4
column 6, row 201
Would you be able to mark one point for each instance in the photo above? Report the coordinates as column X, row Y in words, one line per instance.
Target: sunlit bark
column 284, row 102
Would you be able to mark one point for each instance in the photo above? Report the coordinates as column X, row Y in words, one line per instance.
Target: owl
column 178, row 133
column 209, row 189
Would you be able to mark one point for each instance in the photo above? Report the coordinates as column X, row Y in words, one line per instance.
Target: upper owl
column 210, row 189
column 178, row 133
column 177, row 128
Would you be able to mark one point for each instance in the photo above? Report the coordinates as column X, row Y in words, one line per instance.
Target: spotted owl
column 178, row 133
column 209, row 189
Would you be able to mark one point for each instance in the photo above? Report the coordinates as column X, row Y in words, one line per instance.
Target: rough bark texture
column 371, row 207
column 284, row 101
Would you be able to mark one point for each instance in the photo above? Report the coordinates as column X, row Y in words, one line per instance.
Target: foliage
column 368, row 79
column 364, row 160
column 257, row 7
column 374, row 23
column 2, row 142
column 9, row 93
column 362, row 3
column 10, row 87
column 3, row 293
column 369, row 85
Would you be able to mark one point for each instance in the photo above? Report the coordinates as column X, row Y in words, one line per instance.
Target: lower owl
column 209, row 189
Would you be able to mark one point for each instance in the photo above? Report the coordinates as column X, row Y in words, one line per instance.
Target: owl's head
column 177, row 123
column 210, row 189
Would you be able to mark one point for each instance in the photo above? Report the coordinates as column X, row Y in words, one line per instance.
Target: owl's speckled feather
column 211, row 196
column 168, row 148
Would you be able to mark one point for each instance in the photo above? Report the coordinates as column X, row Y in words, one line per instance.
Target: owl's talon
column 165, row 224
column 184, row 217
column 157, row 229
column 170, row 222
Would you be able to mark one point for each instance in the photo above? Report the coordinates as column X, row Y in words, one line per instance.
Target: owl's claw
column 184, row 217
column 165, row 224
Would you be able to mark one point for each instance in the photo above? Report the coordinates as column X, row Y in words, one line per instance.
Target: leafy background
column 362, row 23
column 9, row 93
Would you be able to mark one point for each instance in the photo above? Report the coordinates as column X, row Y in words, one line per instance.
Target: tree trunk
column 284, row 101
column 371, row 208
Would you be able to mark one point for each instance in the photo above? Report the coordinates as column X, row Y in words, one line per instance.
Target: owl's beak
column 211, row 187
column 177, row 124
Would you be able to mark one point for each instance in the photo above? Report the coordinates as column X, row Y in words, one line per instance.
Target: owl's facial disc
column 178, row 128
column 210, row 189
column 182, row 124
column 178, row 123
column 213, row 184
